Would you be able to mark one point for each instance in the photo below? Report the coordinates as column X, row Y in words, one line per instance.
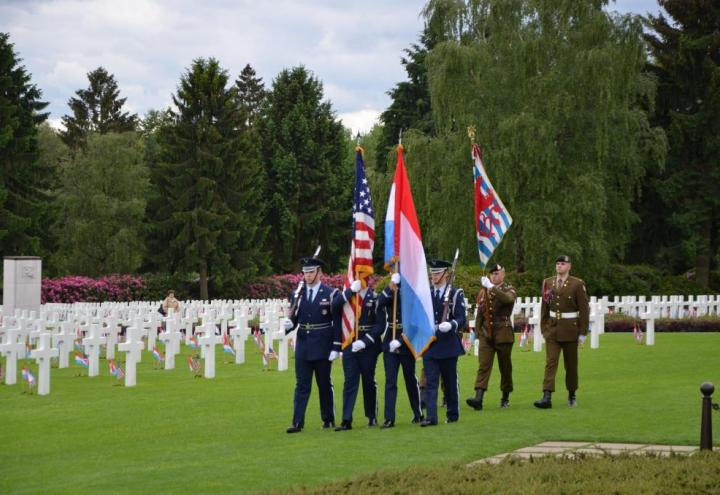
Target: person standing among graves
column 494, row 331
column 396, row 353
column 170, row 303
column 317, row 343
column 564, row 320
column 361, row 355
column 440, row 358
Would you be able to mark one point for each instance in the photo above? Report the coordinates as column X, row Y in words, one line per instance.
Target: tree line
column 599, row 131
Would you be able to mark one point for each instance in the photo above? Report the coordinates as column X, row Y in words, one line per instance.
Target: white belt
column 564, row 316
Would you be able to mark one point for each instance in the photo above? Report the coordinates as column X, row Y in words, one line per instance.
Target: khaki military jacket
column 498, row 303
column 565, row 312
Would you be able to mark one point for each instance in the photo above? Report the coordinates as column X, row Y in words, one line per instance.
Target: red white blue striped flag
column 492, row 219
column 360, row 263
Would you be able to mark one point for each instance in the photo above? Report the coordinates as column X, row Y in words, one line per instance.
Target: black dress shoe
column 427, row 422
column 388, row 424
column 572, row 400
column 452, row 420
column 294, row 429
column 504, row 403
column 372, row 422
column 416, row 420
column 328, row 424
column 344, row 426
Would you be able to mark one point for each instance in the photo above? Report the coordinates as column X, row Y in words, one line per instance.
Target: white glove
column 445, row 326
column 395, row 278
column 356, row 286
column 486, row 283
column 333, row 355
column 358, row 345
column 287, row 324
column 394, row 345
column 581, row 339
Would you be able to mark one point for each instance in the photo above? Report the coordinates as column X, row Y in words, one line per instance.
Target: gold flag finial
column 471, row 133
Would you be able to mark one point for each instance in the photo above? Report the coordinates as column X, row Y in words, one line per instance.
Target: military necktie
column 310, row 295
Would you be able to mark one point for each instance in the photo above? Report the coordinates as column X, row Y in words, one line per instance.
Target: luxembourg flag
column 403, row 245
column 82, row 361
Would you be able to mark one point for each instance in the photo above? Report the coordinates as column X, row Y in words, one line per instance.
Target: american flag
column 492, row 219
column 360, row 263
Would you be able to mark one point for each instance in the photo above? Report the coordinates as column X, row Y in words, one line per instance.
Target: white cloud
column 360, row 121
column 354, row 48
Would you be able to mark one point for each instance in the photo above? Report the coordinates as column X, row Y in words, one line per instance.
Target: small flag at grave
column 258, row 341
column 638, row 333
column 193, row 343
column 271, row 353
column 115, row 370
column 157, row 356
column 77, row 345
column 467, row 342
column 191, row 363
column 82, row 360
column 524, row 337
column 226, row 345
column 28, row 377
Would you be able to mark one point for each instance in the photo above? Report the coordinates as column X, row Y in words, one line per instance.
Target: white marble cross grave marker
column 64, row 341
column 43, row 354
column 12, row 348
column 92, row 345
column 172, row 339
column 208, row 342
column 132, row 347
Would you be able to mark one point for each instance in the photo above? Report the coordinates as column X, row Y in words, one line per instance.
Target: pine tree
column 96, row 109
column 251, row 95
column 310, row 175
column 686, row 61
column 212, row 183
column 24, row 180
column 554, row 89
column 101, row 201
column 410, row 106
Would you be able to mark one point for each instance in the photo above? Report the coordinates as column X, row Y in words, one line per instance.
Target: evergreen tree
column 554, row 90
column 410, row 106
column 212, row 183
column 251, row 95
column 24, row 180
column 310, row 175
column 96, row 109
column 686, row 61
column 101, row 202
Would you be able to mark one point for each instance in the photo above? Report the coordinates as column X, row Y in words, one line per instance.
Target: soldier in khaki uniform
column 564, row 320
column 494, row 331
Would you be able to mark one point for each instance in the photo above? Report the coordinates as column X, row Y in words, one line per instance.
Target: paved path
column 571, row 449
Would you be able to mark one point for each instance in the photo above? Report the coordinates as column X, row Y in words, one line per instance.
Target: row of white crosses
column 100, row 325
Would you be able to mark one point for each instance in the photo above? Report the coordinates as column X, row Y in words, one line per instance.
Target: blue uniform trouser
column 392, row 364
column 356, row 365
column 447, row 368
column 303, row 374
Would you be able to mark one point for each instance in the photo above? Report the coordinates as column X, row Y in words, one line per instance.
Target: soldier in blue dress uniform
column 440, row 359
column 396, row 354
column 360, row 357
column 317, row 343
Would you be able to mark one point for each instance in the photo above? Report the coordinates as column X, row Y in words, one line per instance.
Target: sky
column 354, row 48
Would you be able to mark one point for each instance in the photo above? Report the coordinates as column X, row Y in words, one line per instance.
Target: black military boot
column 344, row 426
column 505, row 401
column 572, row 401
column 545, row 402
column 294, row 428
column 476, row 402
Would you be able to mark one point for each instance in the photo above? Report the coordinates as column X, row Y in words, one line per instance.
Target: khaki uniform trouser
column 570, row 360
column 486, row 354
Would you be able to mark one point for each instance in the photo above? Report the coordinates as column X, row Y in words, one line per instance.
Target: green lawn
column 177, row 434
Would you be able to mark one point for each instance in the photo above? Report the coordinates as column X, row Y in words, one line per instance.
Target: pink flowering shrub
column 77, row 288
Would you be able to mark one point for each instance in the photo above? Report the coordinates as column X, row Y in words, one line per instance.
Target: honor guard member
column 564, row 319
column 317, row 343
column 440, row 358
column 494, row 331
column 360, row 357
column 396, row 353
